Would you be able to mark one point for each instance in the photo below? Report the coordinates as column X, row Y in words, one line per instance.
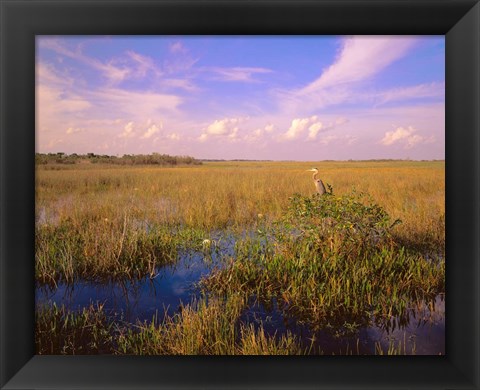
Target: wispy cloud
column 132, row 65
column 179, row 83
column 420, row 91
column 177, row 47
column 62, row 103
column 139, row 104
column 47, row 74
column 143, row 65
column 180, row 60
column 56, row 100
column 239, row 74
column 345, row 139
column 360, row 58
column 113, row 73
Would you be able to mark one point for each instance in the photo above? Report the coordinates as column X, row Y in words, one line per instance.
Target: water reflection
column 420, row 330
column 140, row 299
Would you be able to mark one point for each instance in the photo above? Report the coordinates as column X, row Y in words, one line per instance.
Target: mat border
column 21, row 20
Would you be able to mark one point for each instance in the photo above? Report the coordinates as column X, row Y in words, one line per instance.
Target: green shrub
column 331, row 262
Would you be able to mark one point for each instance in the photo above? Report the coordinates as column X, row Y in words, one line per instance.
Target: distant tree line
column 127, row 159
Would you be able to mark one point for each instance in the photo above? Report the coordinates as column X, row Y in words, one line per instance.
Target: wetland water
column 421, row 332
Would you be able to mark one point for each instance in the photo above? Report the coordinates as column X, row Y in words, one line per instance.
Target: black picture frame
column 21, row 21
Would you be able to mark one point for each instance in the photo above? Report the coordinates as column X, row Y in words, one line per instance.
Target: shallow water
column 423, row 333
column 141, row 299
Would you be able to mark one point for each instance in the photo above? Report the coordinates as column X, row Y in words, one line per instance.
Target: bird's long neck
column 315, row 176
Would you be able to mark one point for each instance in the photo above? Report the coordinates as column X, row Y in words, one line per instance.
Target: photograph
column 240, row 195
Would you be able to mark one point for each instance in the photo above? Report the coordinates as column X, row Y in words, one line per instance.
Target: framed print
column 156, row 197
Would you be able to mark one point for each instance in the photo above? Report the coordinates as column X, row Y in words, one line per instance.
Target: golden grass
column 96, row 219
column 219, row 194
column 205, row 327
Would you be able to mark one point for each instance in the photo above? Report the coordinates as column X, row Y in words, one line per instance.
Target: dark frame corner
column 21, row 20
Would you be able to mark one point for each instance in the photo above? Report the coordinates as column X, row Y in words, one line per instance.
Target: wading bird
column 318, row 183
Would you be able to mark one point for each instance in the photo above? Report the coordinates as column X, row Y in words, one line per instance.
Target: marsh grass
column 336, row 262
column 332, row 262
column 99, row 249
column 205, row 327
column 397, row 347
column 59, row 331
column 232, row 194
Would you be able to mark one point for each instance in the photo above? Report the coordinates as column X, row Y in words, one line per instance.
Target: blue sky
column 250, row 97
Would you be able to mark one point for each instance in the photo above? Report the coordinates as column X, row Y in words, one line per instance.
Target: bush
column 347, row 221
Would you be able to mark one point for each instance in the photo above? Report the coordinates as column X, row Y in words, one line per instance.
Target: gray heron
column 318, row 183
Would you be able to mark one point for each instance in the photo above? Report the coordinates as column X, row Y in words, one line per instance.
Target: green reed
column 100, row 249
column 59, row 331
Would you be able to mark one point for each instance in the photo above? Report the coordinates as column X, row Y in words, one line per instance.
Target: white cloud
column 405, row 135
column 259, row 133
column 221, row 127
column 128, row 131
column 152, row 130
column 174, row 136
column 227, row 127
column 299, row 125
column 254, row 136
column 314, row 129
column 312, row 126
column 269, row 128
column 73, row 130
